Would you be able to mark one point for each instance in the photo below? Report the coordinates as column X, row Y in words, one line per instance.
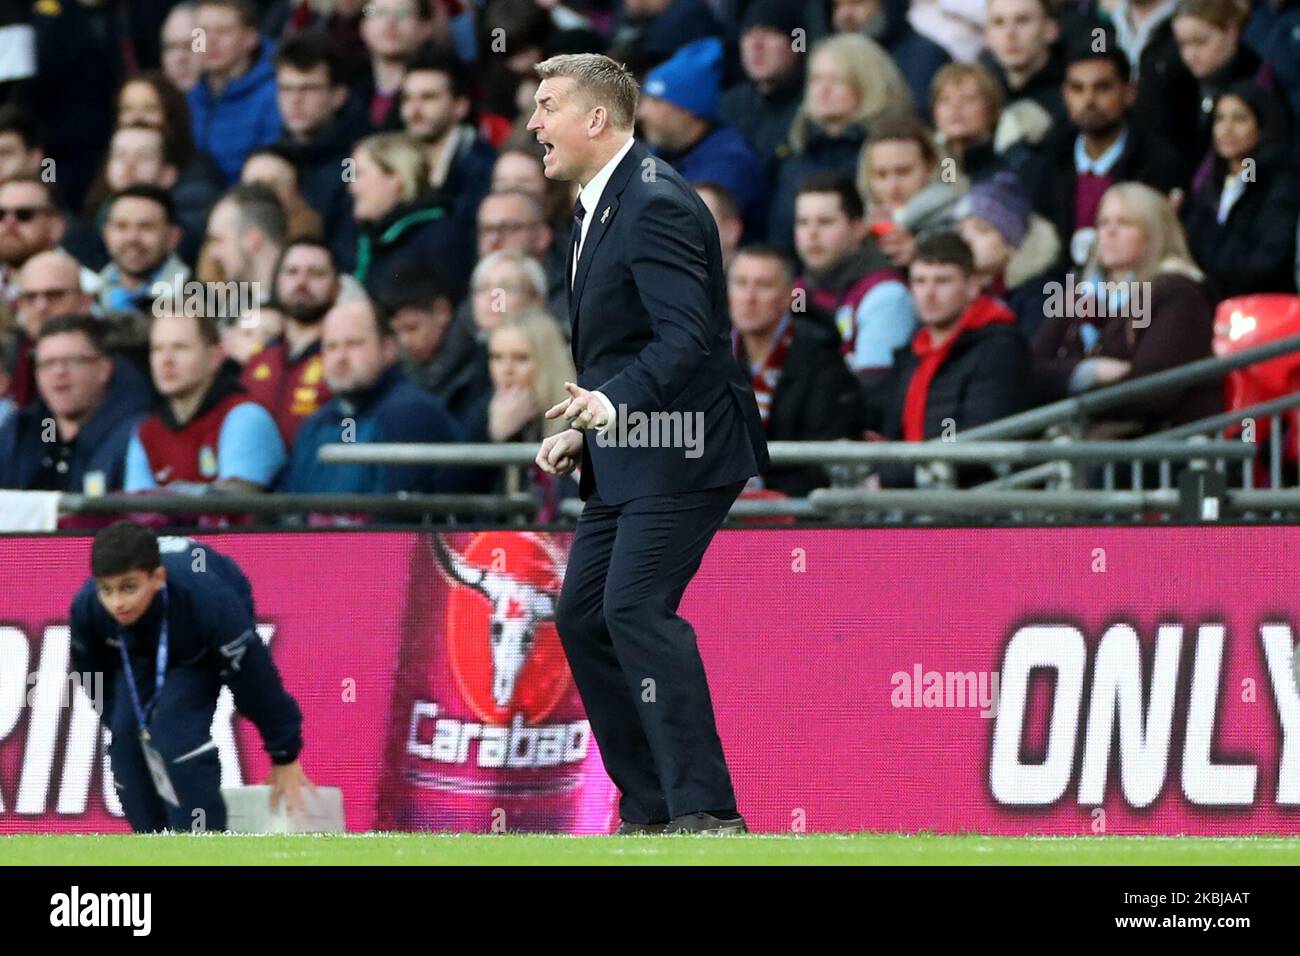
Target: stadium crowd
column 933, row 214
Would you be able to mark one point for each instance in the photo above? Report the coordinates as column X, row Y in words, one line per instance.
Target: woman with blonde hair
column 851, row 84
column 401, row 222
column 1140, row 306
column 529, row 363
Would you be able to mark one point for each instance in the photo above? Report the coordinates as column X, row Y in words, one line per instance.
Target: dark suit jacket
column 816, row 398
column 650, row 330
column 1145, row 158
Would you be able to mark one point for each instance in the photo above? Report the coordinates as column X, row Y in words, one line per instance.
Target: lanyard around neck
column 141, row 715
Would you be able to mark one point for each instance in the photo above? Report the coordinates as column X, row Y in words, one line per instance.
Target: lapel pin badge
column 604, row 215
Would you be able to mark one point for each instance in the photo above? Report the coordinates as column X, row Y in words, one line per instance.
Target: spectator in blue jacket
column 373, row 402
column 75, row 435
column 679, row 118
column 233, row 107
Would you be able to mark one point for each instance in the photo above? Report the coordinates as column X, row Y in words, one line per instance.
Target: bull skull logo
column 518, row 609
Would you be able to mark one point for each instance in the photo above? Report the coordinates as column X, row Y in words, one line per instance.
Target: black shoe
column 628, row 828
column 707, row 823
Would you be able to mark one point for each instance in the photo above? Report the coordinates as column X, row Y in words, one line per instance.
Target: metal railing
column 873, row 506
column 1065, row 464
column 895, row 504
column 844, row 504
column 402, row 504
column 1077, row 410
column 1085, row 405
column 840, row 452
column 889, row 505
column 1211, row 428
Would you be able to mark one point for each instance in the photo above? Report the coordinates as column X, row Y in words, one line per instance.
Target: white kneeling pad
column 248, row 810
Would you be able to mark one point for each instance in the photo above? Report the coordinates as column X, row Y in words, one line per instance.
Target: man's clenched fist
column 560, row 453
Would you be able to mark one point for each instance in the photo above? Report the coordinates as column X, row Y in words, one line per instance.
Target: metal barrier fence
column 843, row 451
column 402, row 505
column 1186, row 468
column 886, row 506
column 1087, row 405
column 883, row 505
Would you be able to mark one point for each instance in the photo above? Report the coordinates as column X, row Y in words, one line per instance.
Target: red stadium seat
column 1248, row 321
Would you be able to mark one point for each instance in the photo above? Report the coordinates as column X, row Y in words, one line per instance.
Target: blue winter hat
column 691, row 78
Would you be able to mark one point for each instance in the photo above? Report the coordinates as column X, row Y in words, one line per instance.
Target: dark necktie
column 579, row 213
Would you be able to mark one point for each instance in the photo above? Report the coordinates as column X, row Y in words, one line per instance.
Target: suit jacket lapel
column 604, row 215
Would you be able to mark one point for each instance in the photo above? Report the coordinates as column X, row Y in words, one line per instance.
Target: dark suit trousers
column 635, row 659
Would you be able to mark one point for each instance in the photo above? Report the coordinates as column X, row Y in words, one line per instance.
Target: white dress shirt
column 590, row 197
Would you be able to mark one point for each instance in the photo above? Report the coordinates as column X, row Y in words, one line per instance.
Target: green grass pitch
column 515, row 849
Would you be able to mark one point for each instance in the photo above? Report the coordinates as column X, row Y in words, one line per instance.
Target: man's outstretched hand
column 560, row 453
column 583, row 408
column 287, row 781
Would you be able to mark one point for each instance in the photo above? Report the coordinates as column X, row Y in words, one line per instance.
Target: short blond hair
column 398, row 153
column 599, row 80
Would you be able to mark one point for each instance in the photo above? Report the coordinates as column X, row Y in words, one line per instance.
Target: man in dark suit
column 665, row 430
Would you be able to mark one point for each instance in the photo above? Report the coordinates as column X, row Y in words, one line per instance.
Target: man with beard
column 287, row 376
column 141, row 236
column 1096, row 149
column 435, row 112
